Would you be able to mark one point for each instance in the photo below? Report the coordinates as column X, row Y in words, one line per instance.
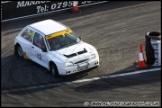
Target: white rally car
column 55, row 47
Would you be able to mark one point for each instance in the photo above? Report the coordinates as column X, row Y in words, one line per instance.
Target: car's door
column 39, row 50
column 26, row 40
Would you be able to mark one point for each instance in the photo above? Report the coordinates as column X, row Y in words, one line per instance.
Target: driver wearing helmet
column 41, row 44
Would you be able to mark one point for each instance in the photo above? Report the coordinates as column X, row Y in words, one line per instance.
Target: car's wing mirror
column 80, row 38
column 44, row 49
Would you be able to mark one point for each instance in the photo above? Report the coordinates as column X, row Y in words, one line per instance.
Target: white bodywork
column 80, row 62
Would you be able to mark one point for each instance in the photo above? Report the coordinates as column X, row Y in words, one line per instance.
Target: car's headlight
column 93, row 56
column 68, row 64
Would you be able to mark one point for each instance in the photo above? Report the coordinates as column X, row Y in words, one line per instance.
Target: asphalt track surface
column 116, row 29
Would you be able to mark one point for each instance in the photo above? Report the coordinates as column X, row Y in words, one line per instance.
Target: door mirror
column 44, row 49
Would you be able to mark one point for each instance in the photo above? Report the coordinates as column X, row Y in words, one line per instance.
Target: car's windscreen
column 62, row 41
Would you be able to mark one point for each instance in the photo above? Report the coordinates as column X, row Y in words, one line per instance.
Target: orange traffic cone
column 141, row 61
column 75, row 6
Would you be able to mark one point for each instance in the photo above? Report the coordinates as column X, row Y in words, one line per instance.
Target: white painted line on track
column 79, row 81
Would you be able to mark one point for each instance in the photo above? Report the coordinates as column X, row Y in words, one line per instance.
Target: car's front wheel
column 19, row 51
column 53, row 70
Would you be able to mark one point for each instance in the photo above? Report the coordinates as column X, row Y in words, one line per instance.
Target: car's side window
column 28, row 34
column 39, row 41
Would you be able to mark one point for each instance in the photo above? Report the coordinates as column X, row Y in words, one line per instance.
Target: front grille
column 81, row 61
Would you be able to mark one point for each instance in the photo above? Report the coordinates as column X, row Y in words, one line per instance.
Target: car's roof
column 48, row 26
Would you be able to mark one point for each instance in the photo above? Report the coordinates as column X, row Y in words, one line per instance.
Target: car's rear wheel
column 53, row 70
column 19, row 51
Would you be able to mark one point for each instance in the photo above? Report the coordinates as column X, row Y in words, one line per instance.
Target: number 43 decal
column 39, row 56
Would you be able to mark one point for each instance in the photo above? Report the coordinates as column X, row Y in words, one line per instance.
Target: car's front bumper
column 79, row 67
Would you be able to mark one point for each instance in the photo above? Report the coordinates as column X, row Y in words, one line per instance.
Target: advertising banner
column 11, row 10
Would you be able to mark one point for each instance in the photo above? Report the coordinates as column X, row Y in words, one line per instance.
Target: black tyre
column 53, row 70
column 19, row 51
column 149, row 49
